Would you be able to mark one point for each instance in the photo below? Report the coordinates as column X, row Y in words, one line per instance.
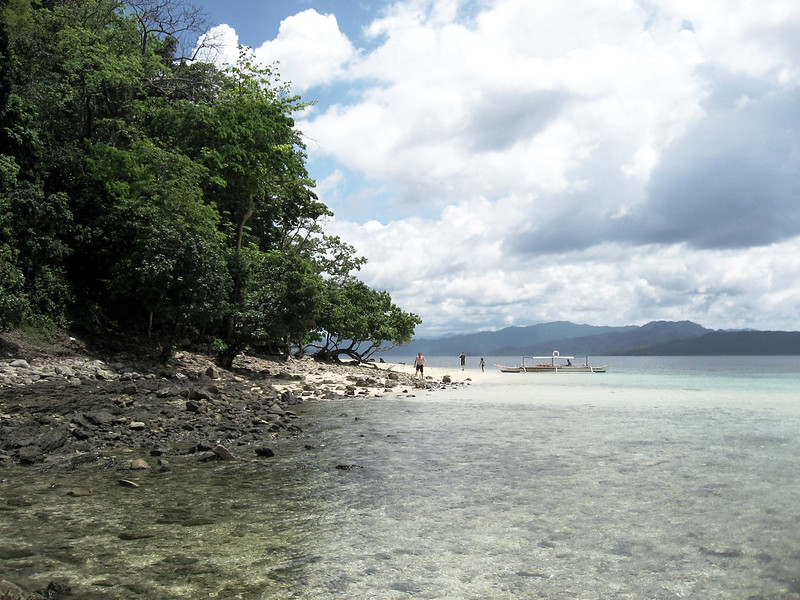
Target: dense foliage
column 142, row 190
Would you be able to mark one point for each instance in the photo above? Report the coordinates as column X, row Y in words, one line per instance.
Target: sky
column 511, row 162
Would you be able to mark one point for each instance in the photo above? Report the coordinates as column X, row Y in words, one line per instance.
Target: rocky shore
column 71, row 408
column 66, row 411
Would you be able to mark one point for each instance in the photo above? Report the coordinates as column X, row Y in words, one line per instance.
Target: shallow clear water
column 659, row 479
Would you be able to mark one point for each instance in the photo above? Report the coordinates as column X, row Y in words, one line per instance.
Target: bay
column 667, row 477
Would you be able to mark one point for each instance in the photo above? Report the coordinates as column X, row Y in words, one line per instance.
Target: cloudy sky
column 510, row 162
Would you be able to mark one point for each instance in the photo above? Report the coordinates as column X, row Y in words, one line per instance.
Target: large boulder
column 54, row 439
column 30, row 455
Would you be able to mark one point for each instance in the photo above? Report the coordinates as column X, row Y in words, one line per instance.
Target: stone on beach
column 224, row 453
column 47, row 420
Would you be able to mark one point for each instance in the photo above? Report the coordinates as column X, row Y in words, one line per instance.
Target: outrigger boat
column 555, row 364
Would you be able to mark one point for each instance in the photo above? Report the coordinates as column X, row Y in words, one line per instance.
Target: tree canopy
column 142, row 190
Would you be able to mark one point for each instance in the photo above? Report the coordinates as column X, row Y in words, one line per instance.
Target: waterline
column 565, row 488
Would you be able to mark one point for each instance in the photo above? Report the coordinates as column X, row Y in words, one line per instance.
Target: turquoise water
column 663, row 478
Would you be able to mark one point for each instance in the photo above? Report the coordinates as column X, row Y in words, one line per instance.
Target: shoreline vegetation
column 166, row 194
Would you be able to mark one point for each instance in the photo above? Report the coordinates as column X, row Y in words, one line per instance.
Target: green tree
column 281, row 299
column 246, row 139
column 357, row 321
column 14, row 306
column 167, row 255
column 137, row 184
column 245, row 136
column 33, row 250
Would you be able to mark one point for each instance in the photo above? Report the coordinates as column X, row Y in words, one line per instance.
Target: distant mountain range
column 657, row 338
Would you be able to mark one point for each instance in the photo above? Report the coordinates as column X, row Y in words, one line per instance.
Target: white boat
column 554, row 363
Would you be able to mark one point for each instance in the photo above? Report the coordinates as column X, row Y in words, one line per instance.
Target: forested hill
column 655, row 338
column 146, row 192
column 722, row 343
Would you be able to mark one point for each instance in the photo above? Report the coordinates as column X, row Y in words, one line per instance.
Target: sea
column 664, row 478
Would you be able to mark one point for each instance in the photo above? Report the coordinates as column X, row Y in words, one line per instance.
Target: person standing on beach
column 463, row 358
column 419, row 365
column 483, row 365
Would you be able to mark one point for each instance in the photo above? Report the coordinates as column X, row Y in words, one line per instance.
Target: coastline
column 437, row 374
column 75, row 408
column 75, row 411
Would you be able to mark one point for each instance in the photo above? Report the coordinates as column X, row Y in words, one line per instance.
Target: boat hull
column 553, row 369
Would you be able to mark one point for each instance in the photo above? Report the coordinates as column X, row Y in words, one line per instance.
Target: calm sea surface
column 664, row 478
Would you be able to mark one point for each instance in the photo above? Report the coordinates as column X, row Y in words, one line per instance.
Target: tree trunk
column 239, row 238
column 242, row 222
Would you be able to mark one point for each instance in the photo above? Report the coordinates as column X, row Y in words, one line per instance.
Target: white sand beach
column 437, row 373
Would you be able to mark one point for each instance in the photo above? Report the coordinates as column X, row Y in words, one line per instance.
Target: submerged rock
column 11, row 591
column 224, row 453
column 30, row 455
column 265, row 452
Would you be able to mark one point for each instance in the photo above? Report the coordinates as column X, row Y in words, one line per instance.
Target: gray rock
column 224, row 453
column 123, row 401
column 30, row 455
column 275, row 409
column 56, row 590
column 11, row 591
column 166, row 392
column 82, row 422
column 54, row 439
column 65, row 371
column 100, row 418
column 195, row 394
column 130, row 389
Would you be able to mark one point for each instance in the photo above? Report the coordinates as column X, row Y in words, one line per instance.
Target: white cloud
column 610, row 162
column 516, row 100
column 757, row 39
column 454, row 274
column 310, row 50
column 219, row 46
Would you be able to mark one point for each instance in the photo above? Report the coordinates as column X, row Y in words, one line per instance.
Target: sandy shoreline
column 436, row 374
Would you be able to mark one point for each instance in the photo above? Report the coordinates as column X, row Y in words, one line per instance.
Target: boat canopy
column 555, row 354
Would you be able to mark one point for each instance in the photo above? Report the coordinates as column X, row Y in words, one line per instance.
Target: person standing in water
column 463, row 358
column 419, row 365
column 483, row 365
